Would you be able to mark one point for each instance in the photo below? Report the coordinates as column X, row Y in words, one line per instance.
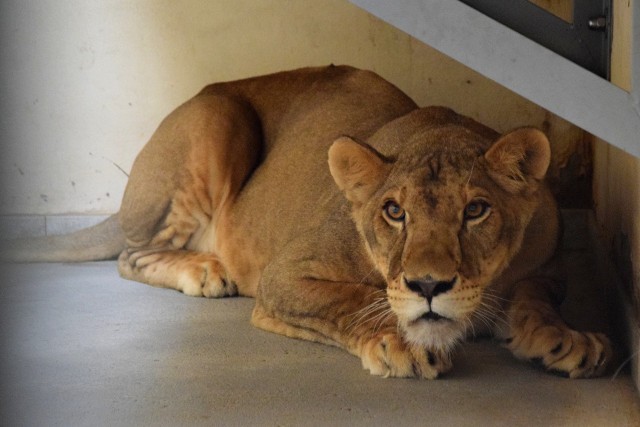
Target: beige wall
column 85, row 83
column 616, row 188
column 617, row 207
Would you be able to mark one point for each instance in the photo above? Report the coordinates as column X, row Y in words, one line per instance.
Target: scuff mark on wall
column 117, row 166
column 621, row 254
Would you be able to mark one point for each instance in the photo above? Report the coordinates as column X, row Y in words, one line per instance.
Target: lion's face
column 442, row 220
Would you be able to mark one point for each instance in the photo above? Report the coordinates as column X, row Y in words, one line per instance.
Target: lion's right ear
column 519, row 157
column 357, row 168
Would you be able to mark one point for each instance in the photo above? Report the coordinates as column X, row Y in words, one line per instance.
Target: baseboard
column 20, row 226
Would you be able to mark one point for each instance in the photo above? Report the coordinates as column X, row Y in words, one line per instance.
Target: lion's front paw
column 387, row 355
column 562, row 350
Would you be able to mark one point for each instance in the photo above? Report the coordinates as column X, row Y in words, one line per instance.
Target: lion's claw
column 563, row 351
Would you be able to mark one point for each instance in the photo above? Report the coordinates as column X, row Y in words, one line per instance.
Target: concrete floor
column 82, row 347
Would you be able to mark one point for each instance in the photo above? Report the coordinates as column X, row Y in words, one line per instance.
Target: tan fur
column 423, row 227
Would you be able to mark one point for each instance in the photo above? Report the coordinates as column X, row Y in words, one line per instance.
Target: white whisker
column 374, row 313
column 470, row 327
column 624, row 363
column 471, row 172
column 381, row 318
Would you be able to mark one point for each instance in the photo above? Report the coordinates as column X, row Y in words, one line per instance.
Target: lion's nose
column 429, row 287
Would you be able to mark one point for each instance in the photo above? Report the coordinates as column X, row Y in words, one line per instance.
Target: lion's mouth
column 432, row 316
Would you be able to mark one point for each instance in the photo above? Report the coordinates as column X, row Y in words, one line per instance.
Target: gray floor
column 82, row 347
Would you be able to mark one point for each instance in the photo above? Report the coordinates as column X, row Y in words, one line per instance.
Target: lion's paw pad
column 388, row 356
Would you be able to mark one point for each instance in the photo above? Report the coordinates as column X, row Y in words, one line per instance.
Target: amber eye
column 394, row 211
column 476, row 209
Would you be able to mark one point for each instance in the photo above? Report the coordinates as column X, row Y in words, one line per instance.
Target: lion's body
column 395, row 249
column 292, row 193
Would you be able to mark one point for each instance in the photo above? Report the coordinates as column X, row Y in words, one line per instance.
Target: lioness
column 353, row 217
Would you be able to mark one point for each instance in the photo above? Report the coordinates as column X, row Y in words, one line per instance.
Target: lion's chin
column 441, row 334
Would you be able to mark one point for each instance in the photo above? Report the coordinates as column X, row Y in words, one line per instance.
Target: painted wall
column 84, row 84
column 617, row 206
column 616, row 188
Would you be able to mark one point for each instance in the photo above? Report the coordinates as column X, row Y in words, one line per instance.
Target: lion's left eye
column 394, row 211
column 476, row 209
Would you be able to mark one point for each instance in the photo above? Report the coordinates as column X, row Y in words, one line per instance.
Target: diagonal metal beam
column 524, row 66
column 573, row 40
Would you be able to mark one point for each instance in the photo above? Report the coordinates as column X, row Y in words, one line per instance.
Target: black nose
column 429, row 288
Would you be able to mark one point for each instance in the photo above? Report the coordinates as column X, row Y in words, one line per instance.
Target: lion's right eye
column 476, row 209
column 393, row 211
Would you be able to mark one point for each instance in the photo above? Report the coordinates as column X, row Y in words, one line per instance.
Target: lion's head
column 441, row 213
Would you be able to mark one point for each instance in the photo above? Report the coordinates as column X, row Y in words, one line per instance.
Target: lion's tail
column 100, row 242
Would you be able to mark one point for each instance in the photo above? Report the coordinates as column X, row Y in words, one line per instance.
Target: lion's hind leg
column 192, row 273
column 184, row 181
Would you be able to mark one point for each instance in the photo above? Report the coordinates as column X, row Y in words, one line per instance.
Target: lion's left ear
column 357, row 168
column 518, row 155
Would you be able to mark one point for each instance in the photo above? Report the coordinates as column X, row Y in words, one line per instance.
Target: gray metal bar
column 522, row 65
column 635, row 61
column 574, row 41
